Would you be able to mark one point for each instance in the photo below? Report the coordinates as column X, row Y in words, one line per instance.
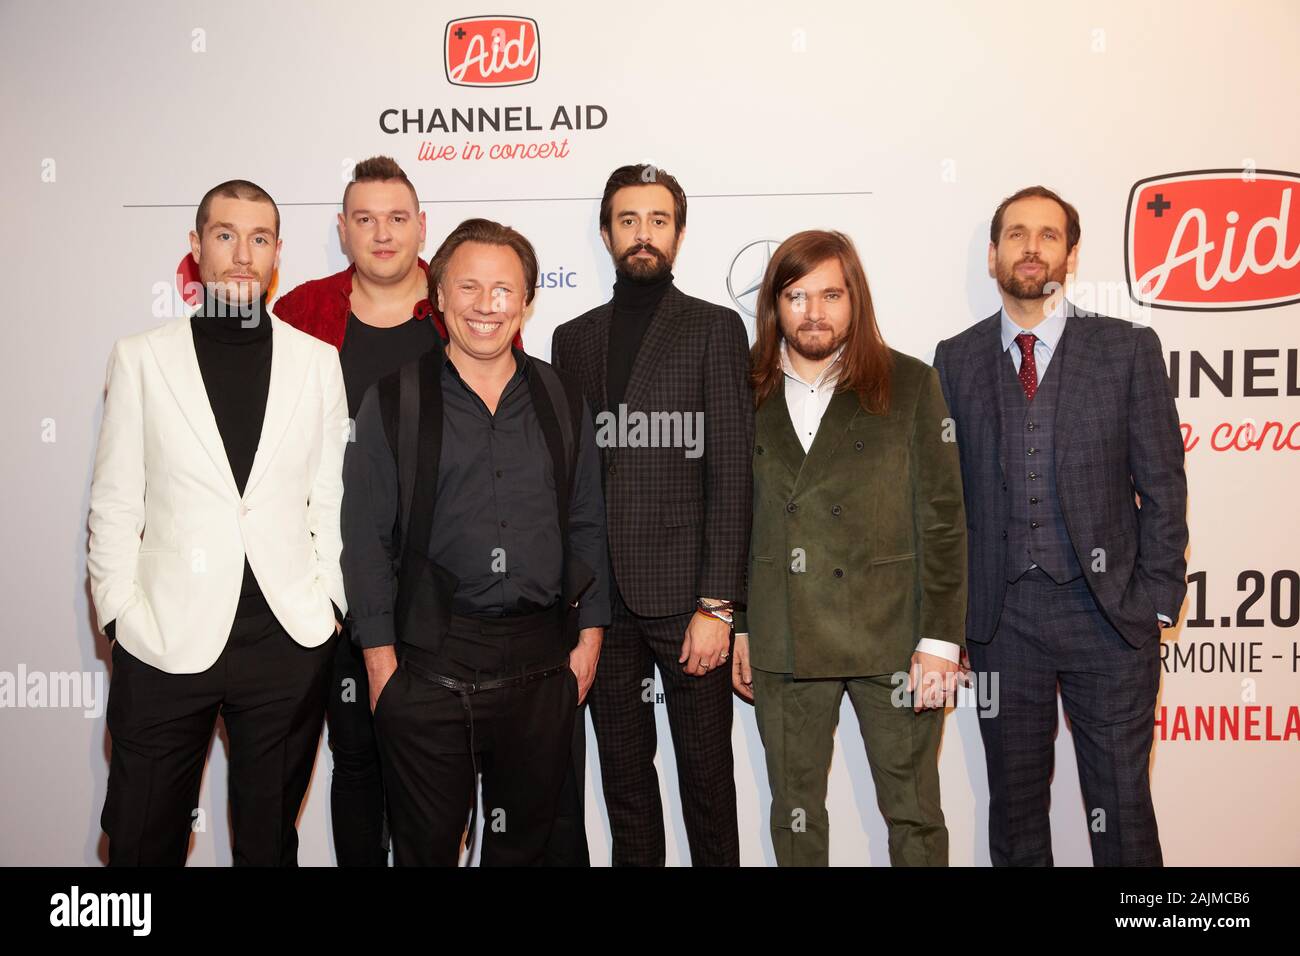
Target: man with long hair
column 857, row 569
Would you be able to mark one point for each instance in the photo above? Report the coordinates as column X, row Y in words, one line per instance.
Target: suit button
column 839, row 572
column 858, row 445
column 243, row 509
column 792, row 507
column 1004, row 487
column 835, row 510
column 1004, row 536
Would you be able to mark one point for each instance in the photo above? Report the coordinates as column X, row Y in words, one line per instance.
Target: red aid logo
column 1214, row 240
column 492, row 51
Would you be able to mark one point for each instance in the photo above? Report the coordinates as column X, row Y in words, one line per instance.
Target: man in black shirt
column 473, row 523
column 377, row 314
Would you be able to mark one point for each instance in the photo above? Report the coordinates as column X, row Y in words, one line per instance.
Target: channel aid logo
column 1214, row 240
column 492, row 51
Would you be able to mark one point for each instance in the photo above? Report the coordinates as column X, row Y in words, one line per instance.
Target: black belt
column 465, row 689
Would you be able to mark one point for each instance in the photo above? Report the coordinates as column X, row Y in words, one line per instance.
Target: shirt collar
column 827, row 376
column 1047, row 331
column 522, row 366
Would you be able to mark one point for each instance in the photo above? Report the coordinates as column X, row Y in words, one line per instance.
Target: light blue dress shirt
column 1048, row 333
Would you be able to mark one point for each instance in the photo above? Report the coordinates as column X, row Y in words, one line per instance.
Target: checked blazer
column 1117, row 442
column 678, row 525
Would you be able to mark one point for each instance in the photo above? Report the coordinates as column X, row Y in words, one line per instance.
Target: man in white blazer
column 214, row 550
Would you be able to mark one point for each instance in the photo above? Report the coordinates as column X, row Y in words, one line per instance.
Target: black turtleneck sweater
column 634, row 306
column 234, row 353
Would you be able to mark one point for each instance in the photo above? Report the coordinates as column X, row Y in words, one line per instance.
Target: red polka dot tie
column 1028, row 370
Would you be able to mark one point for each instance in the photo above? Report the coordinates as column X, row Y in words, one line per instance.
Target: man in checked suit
column 678, row 508
column 1062, row 418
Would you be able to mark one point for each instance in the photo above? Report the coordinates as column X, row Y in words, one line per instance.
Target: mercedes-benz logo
column 745, row 277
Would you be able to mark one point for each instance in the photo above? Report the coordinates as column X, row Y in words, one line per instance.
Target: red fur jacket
column 320, row 307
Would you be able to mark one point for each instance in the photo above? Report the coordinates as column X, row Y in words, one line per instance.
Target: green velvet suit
column 858, row 550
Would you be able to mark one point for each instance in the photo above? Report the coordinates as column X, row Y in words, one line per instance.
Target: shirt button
column 1031, row 426
column 1033, row 501
column 835, row 510
column 839, row 572
column 1033, row 524
column 758, row 449
column 503, row 524
column 792, row 507
column 858, row 445
column 498, row 472
column 1031, row 451
column 613, row 470
column 1033, row 476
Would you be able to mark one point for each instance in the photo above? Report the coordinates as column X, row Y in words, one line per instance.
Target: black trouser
column 432, row 739
column 270, row 691
column 357, row 785
column 568, row 843
column 699, row 716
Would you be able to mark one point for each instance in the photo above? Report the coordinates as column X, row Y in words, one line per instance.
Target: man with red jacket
column 377, row 314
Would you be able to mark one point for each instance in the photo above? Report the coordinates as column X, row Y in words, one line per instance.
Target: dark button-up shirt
column 496, row 521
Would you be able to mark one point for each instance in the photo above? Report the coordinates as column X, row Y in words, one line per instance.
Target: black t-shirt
column 369, row 352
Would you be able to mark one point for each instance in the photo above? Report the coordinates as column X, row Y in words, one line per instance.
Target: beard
column 643, row 270
column 1030, row 288
column 814, row 350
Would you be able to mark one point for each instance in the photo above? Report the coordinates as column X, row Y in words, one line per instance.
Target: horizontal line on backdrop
column 437, row 202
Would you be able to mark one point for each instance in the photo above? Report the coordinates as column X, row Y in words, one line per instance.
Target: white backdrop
column 901, row 124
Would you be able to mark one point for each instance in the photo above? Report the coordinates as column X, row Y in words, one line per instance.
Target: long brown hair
column 865, row 363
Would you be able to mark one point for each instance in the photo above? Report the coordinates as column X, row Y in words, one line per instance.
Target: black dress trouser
column 270, row 690
column 432, row 741
column 356, row 784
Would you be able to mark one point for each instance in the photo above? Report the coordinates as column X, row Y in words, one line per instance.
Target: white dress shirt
column 807, row 402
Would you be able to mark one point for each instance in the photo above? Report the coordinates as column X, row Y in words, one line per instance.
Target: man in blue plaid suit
column 1062, row 419
column 667, row 376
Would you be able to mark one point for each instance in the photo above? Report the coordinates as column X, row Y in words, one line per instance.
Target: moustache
column 645, row 247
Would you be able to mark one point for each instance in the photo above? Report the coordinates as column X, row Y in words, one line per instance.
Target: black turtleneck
column 635, row 302
column 234, row 352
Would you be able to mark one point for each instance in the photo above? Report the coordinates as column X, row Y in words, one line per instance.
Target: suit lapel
column 1076, row 361
column 658, row 338
column 288, row 371
column 778, row 434
column 173, row 348
column 843, row 408
column 988, row 367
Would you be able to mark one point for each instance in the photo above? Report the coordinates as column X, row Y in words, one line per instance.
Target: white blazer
column 161, row 469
